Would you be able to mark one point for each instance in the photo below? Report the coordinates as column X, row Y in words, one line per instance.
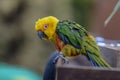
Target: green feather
column 78, row 41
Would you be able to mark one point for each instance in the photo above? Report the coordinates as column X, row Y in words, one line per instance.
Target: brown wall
column 103, row 9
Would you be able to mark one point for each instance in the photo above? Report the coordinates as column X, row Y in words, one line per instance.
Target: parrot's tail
column 98, row 61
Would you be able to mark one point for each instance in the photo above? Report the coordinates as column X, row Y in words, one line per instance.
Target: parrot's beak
column 41, row 34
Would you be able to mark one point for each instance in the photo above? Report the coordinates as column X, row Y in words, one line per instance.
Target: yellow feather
column 91, row 38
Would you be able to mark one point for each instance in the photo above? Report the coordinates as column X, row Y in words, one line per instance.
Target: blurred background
column 19, row 43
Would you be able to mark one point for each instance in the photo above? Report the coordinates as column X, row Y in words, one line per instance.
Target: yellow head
column 46, row 27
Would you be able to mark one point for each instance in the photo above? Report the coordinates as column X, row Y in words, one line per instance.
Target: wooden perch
column 70, row 72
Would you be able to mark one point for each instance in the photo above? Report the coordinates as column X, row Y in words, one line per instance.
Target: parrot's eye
column 45, row 26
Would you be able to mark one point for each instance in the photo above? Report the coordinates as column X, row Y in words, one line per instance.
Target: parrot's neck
column 57, row 42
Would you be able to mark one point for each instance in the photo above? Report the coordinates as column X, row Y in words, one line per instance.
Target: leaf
column 113, row 13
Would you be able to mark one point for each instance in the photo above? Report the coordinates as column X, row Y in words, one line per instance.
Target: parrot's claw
column 64, row 60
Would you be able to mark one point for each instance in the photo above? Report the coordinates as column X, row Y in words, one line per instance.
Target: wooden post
column 70, row 72
column 80, row 68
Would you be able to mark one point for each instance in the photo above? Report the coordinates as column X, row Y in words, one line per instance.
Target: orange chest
column 59, row 44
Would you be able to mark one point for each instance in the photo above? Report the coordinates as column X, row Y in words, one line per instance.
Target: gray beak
column 41, row 34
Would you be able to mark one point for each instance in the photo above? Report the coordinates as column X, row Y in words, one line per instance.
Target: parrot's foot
column 64, row 59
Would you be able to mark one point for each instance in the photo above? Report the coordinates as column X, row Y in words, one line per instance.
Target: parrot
column 70, row 39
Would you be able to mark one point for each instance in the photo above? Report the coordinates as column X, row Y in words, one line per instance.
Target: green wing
column 70, row 33
column 75, row 35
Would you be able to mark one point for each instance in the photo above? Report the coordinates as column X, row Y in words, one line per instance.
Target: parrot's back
column 77, row 41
